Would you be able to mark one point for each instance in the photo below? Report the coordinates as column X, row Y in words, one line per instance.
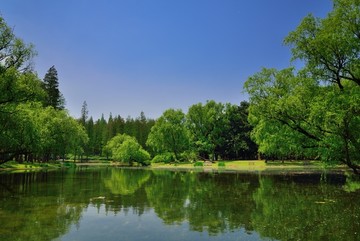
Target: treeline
column 34, row 126
column 209, row 131
column 101, row 131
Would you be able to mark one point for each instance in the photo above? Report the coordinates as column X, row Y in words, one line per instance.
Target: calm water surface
column 137, row 204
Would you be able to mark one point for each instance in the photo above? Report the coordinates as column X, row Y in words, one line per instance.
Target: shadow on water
column 106, row 203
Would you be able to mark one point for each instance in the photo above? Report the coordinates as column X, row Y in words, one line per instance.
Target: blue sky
column 128, row 56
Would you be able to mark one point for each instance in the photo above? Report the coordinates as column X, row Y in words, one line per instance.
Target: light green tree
column 313, row 113
column 206, row 124
column 125, row 148
column 294, row 116
column 330, row 46
column 169, row 134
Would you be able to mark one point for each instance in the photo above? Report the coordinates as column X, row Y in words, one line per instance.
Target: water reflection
column 137, row 204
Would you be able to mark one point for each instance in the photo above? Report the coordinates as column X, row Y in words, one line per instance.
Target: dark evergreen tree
column 111, row 127
column 236, row 133
column 51, row 86
column 119, row 123
column 84, row 113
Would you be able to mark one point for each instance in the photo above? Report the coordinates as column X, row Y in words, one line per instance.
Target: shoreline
column 229, row 166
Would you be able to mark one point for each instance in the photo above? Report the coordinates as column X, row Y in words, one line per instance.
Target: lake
column 88, row 203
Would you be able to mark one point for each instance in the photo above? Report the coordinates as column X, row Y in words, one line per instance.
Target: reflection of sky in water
column 98, row 224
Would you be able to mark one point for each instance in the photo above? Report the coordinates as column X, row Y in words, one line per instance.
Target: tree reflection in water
column 48, row 205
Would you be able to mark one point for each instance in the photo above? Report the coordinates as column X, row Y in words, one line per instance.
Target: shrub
column 164, row 157
column 198, row 164
column 188, row 156
column 221, row 164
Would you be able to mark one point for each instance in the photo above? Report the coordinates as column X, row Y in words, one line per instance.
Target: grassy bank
column 248, row 165
column 243, row 165
column 28, row 166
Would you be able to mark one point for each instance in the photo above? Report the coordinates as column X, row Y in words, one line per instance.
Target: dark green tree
column 236, row 133
column 84, row 113
column 51, row 87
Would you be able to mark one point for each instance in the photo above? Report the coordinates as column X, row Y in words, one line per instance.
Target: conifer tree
column 51, row 86
column 84, row 113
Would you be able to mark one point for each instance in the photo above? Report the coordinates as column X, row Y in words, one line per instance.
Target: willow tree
column 126, row 149
column 28, row 130
column 169, row 134
column 315, row 112
column 18, row 86
column 206, row 124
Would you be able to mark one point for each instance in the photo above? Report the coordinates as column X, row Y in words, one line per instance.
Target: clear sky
column 128, row 56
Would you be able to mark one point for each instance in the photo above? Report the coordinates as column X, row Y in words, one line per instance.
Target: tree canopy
column 313, row 112
column 30, row 128
column 169, row 134
column 125, row 148
column 54, row 97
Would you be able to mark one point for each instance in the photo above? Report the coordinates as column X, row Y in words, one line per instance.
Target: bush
column 221, row 164
column 164, row 157
column 130, row 151
column 69, row 164
column 188, row 156
column 198, row 164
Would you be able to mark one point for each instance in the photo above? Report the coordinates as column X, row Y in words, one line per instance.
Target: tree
column 236, row 133
column 84, row 113
column 296, row 117
column 169, row 134
column 51, row 87
column 205, row 123
column 28, row 130
column 330, row 47
column 130, row 151
column 60, row 134
column 18, row 88
column 14, row 52
column 279, row 111
column 125, row 148
column 314, row 113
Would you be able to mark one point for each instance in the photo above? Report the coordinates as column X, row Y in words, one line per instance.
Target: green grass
column 244, row 165
column 28, row 165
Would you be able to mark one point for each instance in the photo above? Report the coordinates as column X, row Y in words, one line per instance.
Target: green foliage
column 14, row 52
column 219, row 130
column 54, row 97
column 30, row 131
column 189, row 156
column 69, row 164
column 125, row 148
column 205, row 124
column 169, row 134
column 314, row 113
column 330, row 46
column 101, row 131
column 166, row 157
column 221, row 164
column 236, row 133
column 198, row 164
column 352, row 183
